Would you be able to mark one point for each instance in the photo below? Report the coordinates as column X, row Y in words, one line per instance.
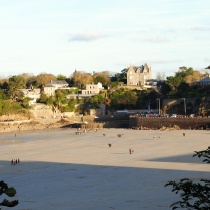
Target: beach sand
column 61, row 170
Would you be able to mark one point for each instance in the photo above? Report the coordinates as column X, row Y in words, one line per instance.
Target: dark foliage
column 10, row 192
column 194, row 195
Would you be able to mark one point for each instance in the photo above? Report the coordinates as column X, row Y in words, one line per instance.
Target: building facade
column 92, row 89
column 33, row 94
column 50, row 88
column 139, row 75
column 204, row 82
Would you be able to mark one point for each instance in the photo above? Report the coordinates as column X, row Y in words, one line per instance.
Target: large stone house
column 50, row 88
column 139, row 75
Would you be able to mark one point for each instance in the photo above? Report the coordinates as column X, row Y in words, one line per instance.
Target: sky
column 61, row 36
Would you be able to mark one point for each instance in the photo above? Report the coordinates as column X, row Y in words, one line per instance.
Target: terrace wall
column 158, row 122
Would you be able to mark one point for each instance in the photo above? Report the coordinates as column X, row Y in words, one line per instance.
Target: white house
column 92, row 89
column 34, row 94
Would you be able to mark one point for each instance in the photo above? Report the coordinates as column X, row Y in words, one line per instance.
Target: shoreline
column 49, row 124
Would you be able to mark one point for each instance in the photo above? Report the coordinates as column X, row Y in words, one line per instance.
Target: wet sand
column 61, row 170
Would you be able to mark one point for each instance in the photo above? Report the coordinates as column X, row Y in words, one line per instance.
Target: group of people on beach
column 15, row 161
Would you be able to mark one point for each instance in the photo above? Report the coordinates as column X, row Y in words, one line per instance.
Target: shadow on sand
column 47, row 185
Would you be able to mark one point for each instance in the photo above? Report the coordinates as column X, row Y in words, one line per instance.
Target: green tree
column 18, row 81
column 195, row 76
column 182, row 89
column 184, row 71
column 50, row 100
column 7, row 107
column 42, row 79
column 71, row 105
column 102, row 77
column 25, row 102
column 174, row 81
column 14, row 85
column 81, row 79
column 43, row 98
column 120, row 77
column 193, row 194
column 61, row 77
column 164, row 88
column 3, row 82
column 123, row 98
column 3, row 95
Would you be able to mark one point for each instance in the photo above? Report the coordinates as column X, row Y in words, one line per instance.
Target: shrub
column 194, row 195
column 10, row 192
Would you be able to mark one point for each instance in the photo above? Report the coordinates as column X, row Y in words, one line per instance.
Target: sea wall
column 158, row 122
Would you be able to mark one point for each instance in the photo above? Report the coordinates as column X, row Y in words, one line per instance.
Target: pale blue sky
column 59, row 36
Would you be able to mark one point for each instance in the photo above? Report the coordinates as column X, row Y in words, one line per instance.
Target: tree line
column 115, row 94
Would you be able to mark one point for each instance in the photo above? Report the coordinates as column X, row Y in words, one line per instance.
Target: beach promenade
column 61, row 170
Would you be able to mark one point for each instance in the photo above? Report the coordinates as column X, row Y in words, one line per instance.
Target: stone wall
column 157, row 123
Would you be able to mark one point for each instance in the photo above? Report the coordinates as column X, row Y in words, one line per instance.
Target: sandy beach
column 61, row 170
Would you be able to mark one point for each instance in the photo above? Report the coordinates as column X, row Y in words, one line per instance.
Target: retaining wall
column 157, row 123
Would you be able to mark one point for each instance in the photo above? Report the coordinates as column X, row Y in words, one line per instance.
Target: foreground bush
column 10, row 192
column 194, row 195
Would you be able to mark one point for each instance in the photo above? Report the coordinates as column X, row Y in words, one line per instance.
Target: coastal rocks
column 171, row 127
column 32, row 125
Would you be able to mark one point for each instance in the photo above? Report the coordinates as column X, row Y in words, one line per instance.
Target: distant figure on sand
column 110, row 145
column 131, row 151
column 12, row 162
column 183, row 134
column 104, row 134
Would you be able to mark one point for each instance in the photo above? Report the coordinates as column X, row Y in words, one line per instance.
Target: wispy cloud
column 207, row 60
column 157, row 39
column 165, row 61
column 201, row 28
column 87, row 36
